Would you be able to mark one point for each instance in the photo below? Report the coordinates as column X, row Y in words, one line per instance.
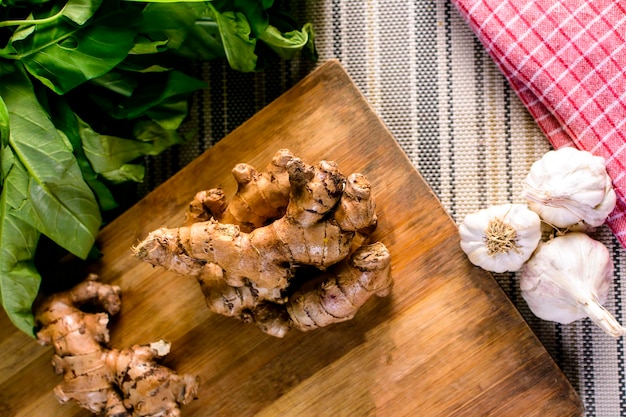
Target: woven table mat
column 456, row 117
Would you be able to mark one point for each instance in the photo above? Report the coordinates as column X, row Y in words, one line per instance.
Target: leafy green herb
column 19, row 280
column 88, row 88
column 53, row 198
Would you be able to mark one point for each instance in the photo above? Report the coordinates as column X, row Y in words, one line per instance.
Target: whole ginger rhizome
column 290, row 217
column 102, row 379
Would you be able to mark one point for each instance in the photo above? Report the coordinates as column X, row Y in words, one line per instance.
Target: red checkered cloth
column 566, row 60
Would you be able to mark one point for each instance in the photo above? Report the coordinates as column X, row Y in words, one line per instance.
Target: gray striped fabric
column 453, row 113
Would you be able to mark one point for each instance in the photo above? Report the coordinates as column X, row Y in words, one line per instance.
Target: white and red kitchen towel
column 566, row 60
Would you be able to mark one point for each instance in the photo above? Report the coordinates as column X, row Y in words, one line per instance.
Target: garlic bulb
column 568, row 186
column 568, row 278
column 500, row 238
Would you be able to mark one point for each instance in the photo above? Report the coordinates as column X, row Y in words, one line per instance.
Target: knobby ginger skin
column 344, row 291
column 110, row 382
column 261, row 196
column 245, row 267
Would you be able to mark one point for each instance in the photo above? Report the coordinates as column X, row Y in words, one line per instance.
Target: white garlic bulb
column 568, row 278
column 568, row 186
column 500, row 238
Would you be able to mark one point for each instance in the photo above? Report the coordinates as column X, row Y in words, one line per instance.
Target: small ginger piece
column 108, row 382
column 344, row 290
column 260, row 197
column 356, row 210
column 148, row 388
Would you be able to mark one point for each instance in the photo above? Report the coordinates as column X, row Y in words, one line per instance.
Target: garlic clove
column 567, row 279
column 568, row 186
column 500, row 238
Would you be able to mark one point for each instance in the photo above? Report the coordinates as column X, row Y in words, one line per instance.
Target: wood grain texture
column 446, row 342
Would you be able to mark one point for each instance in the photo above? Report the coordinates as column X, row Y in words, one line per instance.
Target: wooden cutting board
column 446, row 342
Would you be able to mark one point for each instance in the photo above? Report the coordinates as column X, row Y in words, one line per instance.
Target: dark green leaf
column 125, row 173
column 63, row 56
column 238, row 44
column 159, row 137
column 169, row 22
column 112, row 156
column 255, row 14
column 6, row 67
column 163, row 96
column 4, row 124
column 117, row 82
column 203, row 42
column 144, row 46
column 19, row 279
column 287, row 45
column 186, row 29
column 22, row 2
column 141, row 63
column 169, row 114
column 68, row 124
column 109, row 155
column 56, row 200
column 80, row 11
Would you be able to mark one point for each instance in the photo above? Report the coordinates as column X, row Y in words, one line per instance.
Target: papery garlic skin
column 500, row 238
column 568, row 278
column 568, row 186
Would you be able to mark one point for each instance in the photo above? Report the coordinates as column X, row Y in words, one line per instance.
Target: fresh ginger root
column 245, row 261
column 108, row 382
column 343, row 291
column 260, row 197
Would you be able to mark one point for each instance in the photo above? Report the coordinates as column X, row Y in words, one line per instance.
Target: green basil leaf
column 19, row 279
column 255, row 14
column 169, row 22
column 103, row 195
column 162, row 96
column 4, row 124
column 108, row 154
column 56, row 200
column 186, row 29
column 125, row 173
column 159, row 137
column 80, row 11
column 169, row 114
column 63, row 56
column 238, row 44
column 112, row 156
column 143, row 65
column 203, row 42
column 146, row 46
column 287, row 45
column 117, row 82
column 67, row 123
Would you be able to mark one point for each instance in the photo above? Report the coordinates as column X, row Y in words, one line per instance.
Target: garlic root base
column 604, row 319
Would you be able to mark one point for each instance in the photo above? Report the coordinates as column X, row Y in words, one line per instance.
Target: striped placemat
column 458, row 120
